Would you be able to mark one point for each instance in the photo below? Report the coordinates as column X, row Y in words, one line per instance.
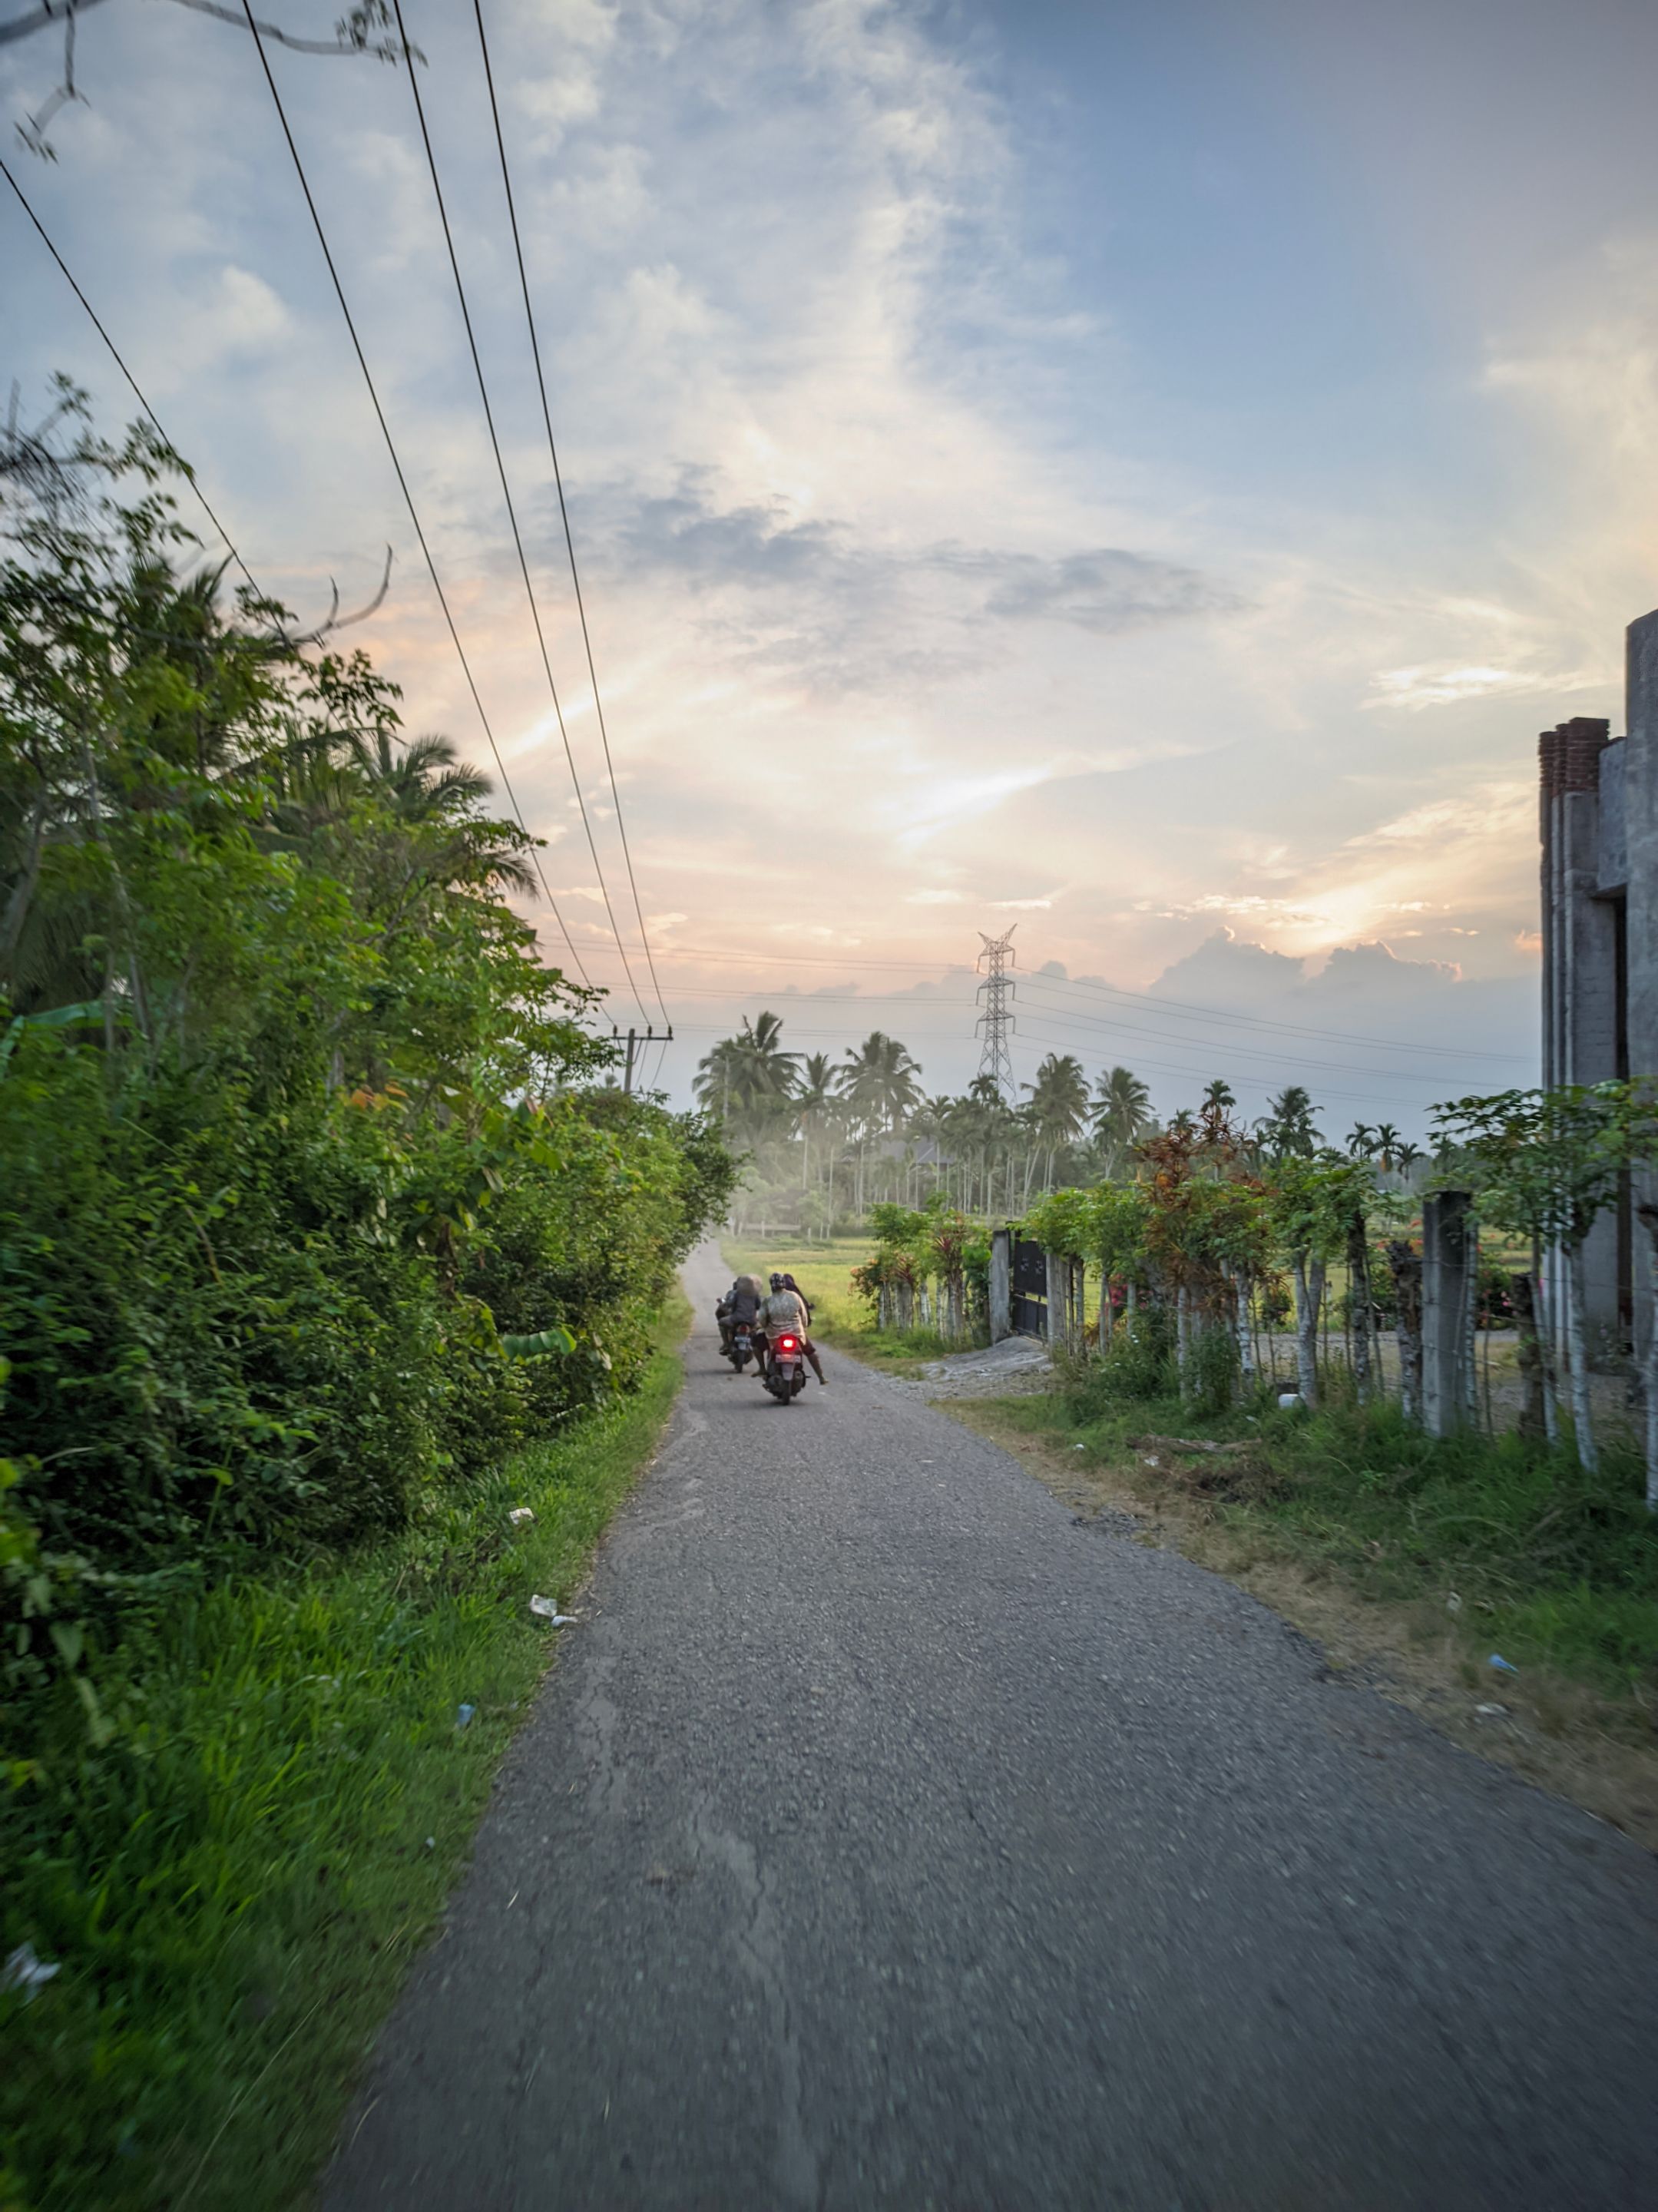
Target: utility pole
column 635, row 1038
column 996, row 1021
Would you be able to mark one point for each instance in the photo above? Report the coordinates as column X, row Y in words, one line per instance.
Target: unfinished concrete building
column 1599, row 878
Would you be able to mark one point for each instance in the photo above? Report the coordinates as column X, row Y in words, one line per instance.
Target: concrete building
column 1599, row 886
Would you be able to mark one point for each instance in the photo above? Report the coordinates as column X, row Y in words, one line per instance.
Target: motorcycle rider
column 784, row 1312
column 741, row 1304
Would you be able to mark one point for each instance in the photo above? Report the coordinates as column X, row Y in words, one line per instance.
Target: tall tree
column 1287, row 1130
column 1058, row 1105
column 1122, row 1116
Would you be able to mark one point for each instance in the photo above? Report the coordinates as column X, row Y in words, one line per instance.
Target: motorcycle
column 740, row 1350
column 786, row 1371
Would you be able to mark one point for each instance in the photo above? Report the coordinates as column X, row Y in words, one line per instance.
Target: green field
column 235, row 1888
column 824, row 1273
column 839, row 1316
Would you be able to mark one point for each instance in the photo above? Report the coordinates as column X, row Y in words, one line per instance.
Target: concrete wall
column 1599, row 902
column 1640, row 816
column 1581, row 970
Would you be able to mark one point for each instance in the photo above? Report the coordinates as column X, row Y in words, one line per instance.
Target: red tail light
column 786, row 1344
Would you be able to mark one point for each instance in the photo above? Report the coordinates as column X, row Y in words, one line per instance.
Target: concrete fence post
column 1058, row 1270
column 1001, row 1284
column 1449, row 1250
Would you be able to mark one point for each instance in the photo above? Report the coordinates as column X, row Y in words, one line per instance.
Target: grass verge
column 235, row 1887
column 839, row 1316
column 1411, row 1561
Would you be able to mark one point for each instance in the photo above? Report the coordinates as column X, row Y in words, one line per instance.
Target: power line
column 507, row 493
column 1031, row 1038
column 402, row 486
column 115, row 356
column 1183, row 1010
column 564, row 512
column 786, row 1003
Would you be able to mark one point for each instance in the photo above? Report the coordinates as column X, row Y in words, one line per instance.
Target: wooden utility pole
column 635, row 1038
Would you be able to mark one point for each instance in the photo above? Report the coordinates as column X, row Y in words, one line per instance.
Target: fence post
column 1058, row 1270
column 1447, row 1262
column 1001, row 1284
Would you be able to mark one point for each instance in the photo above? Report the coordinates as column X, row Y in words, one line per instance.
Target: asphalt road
column 885, row 1838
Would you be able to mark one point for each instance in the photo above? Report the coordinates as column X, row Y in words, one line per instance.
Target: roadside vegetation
column 232, row 1888
column 324, row 1237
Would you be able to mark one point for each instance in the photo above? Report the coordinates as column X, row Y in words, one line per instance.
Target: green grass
column 1554, row 1566
column 235, row 1886
column 839, row 1316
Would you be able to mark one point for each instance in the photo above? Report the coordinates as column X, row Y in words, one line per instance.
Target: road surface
column 884, row 1837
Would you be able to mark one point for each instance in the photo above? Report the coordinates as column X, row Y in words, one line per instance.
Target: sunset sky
column 1143, row 474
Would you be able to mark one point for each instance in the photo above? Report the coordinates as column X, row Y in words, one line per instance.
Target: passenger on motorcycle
column 785, row 1310
column 740, row 1305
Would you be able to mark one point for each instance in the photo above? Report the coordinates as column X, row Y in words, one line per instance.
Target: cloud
column 1104, row 590
column 1417, row 688
column 934, row 898
column 856, row 610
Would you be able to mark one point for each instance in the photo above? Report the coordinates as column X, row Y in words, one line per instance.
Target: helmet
column 777, row 1283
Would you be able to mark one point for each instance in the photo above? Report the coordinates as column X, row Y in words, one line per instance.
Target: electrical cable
column 1064, row 1017
column 506, row 495
column 402, row 486
column 1026, row 1038
column 115, row 356
column 1182, row 1009
column 564, row 512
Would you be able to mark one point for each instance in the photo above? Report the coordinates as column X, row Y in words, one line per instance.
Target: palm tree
column 750, row 1071
column 1058, row 1105
column 1219, row 1097
column 1122, row 1114
column 880, row 1084
column 1287, row 1127
column 426, row 779
column 1387, row 1145
column 1361, row 1140
column 814, row 1089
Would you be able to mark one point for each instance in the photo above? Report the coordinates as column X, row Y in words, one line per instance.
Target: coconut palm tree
column 1287, row 1129
column 879, row 1082
column 1058, row 1105
column 749, row 1072
column 814, row 1092
column 1122, row 1116
column 1361, row 1140
column 1386, row 1142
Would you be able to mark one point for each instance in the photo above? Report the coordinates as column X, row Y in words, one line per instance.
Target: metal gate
column 1030, row 1289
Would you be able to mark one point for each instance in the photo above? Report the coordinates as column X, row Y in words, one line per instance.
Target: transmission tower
column 996, row 1024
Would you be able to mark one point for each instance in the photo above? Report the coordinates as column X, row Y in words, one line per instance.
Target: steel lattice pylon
column 996, row 1024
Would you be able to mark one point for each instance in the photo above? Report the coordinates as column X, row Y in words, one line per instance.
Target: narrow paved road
column 884, row 1837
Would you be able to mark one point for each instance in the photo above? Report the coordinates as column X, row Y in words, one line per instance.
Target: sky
column 1137, row 476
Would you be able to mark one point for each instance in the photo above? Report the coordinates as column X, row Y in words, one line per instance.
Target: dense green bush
column 313, row 1198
